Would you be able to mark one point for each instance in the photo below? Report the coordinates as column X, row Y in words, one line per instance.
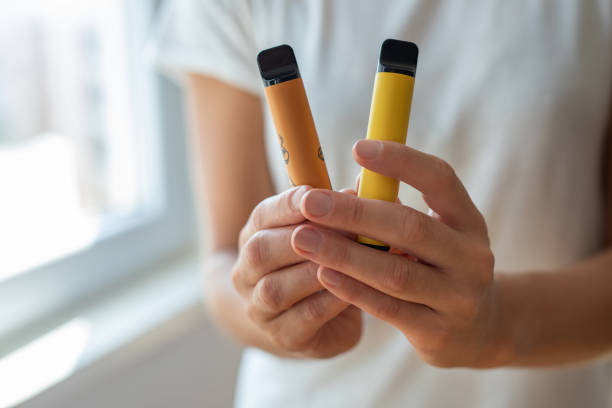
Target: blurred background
column 99, row 288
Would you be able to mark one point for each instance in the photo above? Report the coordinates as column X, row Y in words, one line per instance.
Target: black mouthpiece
column 277, row 65
column 398, row 56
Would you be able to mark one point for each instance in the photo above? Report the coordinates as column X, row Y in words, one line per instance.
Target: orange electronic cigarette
column 389, row 115
column 292, row 117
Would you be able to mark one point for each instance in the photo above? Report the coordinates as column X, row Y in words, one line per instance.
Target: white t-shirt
column 514, row 94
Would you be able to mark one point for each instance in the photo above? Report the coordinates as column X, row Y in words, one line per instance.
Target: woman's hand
column 282, row 293
column 437, row 286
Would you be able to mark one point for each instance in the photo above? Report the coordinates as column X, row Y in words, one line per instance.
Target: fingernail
column 318, row 203
column 296, row 198
column 368, row 149
column 307, row 239
column 330, row 277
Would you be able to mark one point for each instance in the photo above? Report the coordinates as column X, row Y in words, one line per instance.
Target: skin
column 286, row 275
column 271, row 300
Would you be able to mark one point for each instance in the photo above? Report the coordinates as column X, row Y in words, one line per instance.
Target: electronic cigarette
column 389, row 115
column 292, row 117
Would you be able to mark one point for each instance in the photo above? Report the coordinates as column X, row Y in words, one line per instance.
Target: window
column 92, row 185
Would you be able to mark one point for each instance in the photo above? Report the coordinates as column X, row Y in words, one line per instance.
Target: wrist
column 505, row 323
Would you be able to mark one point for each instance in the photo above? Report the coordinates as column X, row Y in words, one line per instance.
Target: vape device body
column 292, row 117
column 389, row 116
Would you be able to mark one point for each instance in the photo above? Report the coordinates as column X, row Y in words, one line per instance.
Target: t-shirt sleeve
column 210, row 37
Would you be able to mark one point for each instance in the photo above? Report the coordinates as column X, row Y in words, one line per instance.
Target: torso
column 515, row 96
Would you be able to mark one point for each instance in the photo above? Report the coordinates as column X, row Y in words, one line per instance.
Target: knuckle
column 236, row 277
column 357, row 212
column 444, row 172
column 252, row 312
column 397, row 278
column 310, row 271
column 389, row 309
column 242, row 236
column 277, row 337
column 484, row 265
column 312, row 311
column 469, row 306
column 294, row 345
column 255, row 249
column 484, row 230
column 341, row 255
column 488, row 260
column 269, row 293
column 285, row 341
column 285, row 203
column 412, row 226
column 256, row 218
column 438, row 342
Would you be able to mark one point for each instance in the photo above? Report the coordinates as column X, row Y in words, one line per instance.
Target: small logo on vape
column 320, row 154
column 284, row 151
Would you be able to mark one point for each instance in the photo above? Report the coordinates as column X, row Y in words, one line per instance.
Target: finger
column 279, row 290
column 298, row 325
column 394, row 224
column 266, row 251
column 275, row 211
column 352, row 192
column 349, row 191
column 442, row 190
column 391, row 274
column 404, row 315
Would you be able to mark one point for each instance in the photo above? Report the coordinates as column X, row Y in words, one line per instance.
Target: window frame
column 27, row 298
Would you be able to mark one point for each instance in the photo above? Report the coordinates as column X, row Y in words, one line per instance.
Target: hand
column 439, row 289
column 282, row 294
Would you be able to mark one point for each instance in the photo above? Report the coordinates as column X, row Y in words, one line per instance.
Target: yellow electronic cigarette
column 292, row 117
column 389, row 115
